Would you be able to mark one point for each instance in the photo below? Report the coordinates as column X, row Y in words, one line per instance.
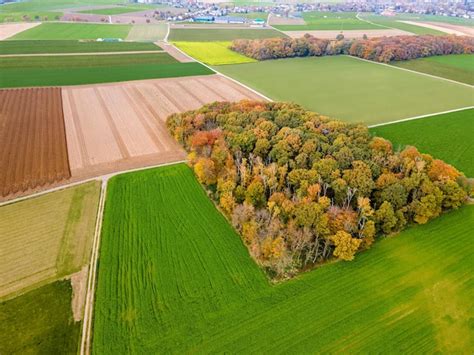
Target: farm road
column 78, row 54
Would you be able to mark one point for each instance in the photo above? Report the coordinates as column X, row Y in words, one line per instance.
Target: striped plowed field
column 116, row 127
column 33, row 149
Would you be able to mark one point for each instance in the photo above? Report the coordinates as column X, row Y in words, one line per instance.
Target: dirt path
column 443, row 27
column 78, row 54
column 79, row 283
column 11, row 29
column 172, row 51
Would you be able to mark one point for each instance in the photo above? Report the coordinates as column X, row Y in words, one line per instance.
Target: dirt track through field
column 444, row 27
column 33, row 150
column 116, row 127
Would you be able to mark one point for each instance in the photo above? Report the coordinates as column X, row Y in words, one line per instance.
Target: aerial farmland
column 243, row 177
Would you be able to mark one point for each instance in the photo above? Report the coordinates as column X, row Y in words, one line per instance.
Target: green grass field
column 150, row 33
column 210, row 35
column 213, row 53
column 175, row 278
column 40, row 322
column 435, row 18
column 447, row 137
column 64, row 31
column 28, row 16
column 116, row 10
column 351, row 89
column 88, row 69
column 47, row 46
column 51, row 5
column 329, row 21
column 455, row 67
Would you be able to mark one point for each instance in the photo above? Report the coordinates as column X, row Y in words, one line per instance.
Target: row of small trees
column 382, row 49
column 301, row 188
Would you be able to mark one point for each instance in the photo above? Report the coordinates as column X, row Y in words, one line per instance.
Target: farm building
column 206, row 19
column 230, row 19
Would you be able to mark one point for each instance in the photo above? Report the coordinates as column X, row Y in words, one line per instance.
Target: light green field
column 393, row 22
column 118, row 10
column 175, row 278
column 329, row 21
column 447, row 137
column 63, row 31
column 147, row 33
column 213, row 53
column 46, row 46
column 436, row 18
column 455, row 67
column 89, row 69
column 351, row 89
column 40, row 322
column 212, row 35
column 46, row 238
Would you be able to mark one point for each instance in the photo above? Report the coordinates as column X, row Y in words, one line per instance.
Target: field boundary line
column 89, row 302
column 70, row 54
column 421, row 116
column 372, row 23
column 410, row 71
column 95, row 178
column 221, row 74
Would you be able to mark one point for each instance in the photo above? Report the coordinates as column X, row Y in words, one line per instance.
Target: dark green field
column 455, row 67
column 175, row 278
column 36, row 47
column 40, row 322
column 74, row 70
column 208, row 35
column 447, row 137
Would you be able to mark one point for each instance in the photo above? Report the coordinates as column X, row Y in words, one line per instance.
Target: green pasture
column 70, row 31
column 447, row 137
column 436, row 18
column 175, row 278
column 210, row 35
column 455, row 67
column 393, row 22
column 148, row 32
column 351, row 89
column 329, row 21
column 88, row 69
column 52, row 5
column 213, row 53
column 67, row 46
column 40, row 322
column 117, row 10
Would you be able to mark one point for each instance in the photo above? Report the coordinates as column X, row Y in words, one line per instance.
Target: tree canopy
column 302, row 188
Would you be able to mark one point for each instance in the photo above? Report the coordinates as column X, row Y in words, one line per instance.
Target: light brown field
column 46, row 238
column 10, row 29
column 117, row 127
column 174, row 52
column 330, row 34
column 275, row 20
column 444, row 27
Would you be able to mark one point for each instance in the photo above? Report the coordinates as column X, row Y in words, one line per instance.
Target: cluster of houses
column 229, row 20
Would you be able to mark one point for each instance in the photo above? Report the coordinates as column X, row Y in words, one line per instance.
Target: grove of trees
column 301, row 188
column 381, row 49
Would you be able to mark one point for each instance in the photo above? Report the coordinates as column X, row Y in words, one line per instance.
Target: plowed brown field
column 115, row 127
column 33, row 150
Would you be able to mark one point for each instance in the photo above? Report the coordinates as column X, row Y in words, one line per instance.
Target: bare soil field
column 330, row 34
column 444, row 27
column 33, row 150
column 11, row 29
column 46, row 238
column 116, row 127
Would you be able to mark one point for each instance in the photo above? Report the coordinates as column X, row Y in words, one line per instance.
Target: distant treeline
column 381, row 49
column 301, row 188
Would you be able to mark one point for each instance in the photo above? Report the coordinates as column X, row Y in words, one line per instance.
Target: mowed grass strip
column 148, row 32
column 211, row 35
column 40, row 322
column 63, row 31
column 175, row 278
column 167, row 257
column 66, row 46
column 213, row 53
column 447, row 137
column 85, row 69
column 322, row 20
column 455, row 67
column 46, row 237
column 351, row 89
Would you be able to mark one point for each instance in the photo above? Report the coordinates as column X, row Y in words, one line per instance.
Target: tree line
column 381, row 49
column 301, row 188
